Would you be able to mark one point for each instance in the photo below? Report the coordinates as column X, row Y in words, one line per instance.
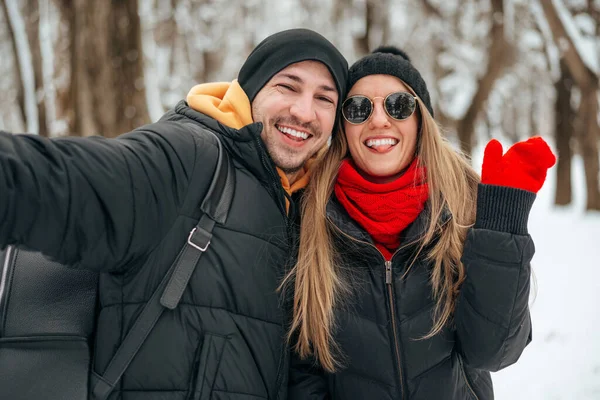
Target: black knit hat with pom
column 390, row 60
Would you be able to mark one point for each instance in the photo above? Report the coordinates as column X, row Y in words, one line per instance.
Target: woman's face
column 381, row 147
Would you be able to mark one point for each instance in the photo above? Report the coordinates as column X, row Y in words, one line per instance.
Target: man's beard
column 283, row 157
column 282, row 161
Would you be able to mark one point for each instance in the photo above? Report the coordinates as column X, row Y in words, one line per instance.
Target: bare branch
column 580, row 72
column 501, row 54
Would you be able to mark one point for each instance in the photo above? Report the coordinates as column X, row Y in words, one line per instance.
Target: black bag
column 47, row 316
column 48, row 312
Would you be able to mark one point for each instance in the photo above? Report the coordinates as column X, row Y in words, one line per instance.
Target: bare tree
column 588, row 83
column 196, row 44
column 98, row 68
column 500, row 55
column 249, row 19
column 109, row 43
column 376, row 29
column 18, row 75
column 211, row 55
column 213, row 61
column 165, row 30
column 338, row 10
column 66, row 75
column 446, row 26
column 32, row 24
column 564, row 133
column 170, row 40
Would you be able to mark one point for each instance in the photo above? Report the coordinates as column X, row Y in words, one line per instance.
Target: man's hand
column 524, row 166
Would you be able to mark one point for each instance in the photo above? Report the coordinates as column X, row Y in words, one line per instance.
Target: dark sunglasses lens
column 400, row 105
column 356, row 109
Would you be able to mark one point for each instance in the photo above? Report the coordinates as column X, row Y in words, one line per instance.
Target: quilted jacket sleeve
column 492, row 315
column 94, row 202
column 307, row 380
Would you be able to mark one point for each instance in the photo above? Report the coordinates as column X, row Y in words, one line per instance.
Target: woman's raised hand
column 524, row 166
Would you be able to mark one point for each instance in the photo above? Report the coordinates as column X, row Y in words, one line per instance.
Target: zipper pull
column 388, row 272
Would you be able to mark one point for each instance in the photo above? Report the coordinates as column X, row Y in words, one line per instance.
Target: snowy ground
column 563, row 360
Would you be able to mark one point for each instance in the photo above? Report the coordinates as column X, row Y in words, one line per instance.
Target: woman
column 415, row 285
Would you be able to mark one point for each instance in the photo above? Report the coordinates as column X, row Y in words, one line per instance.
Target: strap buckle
column 199, row 247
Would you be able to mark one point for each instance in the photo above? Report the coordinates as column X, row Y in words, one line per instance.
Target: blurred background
column 508, row 69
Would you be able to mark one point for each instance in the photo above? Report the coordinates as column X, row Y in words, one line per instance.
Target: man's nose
column 303, row 109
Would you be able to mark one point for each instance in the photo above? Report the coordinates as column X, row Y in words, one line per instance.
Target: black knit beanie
column 389, row 60
column 288, row 47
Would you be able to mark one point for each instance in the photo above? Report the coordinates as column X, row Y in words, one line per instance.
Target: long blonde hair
column 318, row 285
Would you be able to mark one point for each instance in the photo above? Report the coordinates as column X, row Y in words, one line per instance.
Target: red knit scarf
column 383, row 210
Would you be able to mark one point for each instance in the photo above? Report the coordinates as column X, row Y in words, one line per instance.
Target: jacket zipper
column 388, row 282
column 464, row 374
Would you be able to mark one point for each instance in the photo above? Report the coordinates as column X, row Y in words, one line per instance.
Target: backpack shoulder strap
column 215, row 208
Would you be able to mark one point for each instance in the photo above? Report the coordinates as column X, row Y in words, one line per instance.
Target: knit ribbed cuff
column 503, row 209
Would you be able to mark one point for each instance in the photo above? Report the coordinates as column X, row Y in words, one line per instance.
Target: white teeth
column 381, row 142
column 294, row 132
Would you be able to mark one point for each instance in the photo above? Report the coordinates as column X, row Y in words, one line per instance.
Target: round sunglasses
column 399, row 106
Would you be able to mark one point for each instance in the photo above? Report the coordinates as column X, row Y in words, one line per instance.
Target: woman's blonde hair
column 317, row 283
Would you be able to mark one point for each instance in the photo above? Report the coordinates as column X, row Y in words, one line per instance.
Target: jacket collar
column 412, row 234
column 244, row 144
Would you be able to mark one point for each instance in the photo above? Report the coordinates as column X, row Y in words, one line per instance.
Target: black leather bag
column 48, row 312
column 47, row 316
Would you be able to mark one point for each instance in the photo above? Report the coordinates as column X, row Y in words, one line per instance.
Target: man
column 127, row 205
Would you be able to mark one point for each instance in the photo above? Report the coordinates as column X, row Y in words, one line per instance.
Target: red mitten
column 524, row 166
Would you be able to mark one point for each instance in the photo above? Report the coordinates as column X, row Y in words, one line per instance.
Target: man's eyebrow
column 297, row 79
column 328, row 88
column 293, row 77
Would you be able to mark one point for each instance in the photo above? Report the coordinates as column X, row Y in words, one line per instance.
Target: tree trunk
column 509, row 121
column 32, row 24
column 431, row 9
column 19, row 76
column 439, row 45
column 65, row 71
column 168, row 38
column 111, row 50
column 361, row 43
column 500, row 56
column 376, row 17
column 338, row 10
column 213, row 62
column 588, row 112
column 564, row 132
column 587, row 81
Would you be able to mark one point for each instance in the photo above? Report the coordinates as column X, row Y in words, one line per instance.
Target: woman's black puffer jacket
column 379, row 325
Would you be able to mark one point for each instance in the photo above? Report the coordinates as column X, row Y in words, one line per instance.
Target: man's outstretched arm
column 94, row 202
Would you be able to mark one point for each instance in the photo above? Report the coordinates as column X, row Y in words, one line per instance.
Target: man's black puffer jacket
column 126, row 206
column 379, row 326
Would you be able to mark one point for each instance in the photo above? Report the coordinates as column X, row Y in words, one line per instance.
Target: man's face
column 297, row 108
